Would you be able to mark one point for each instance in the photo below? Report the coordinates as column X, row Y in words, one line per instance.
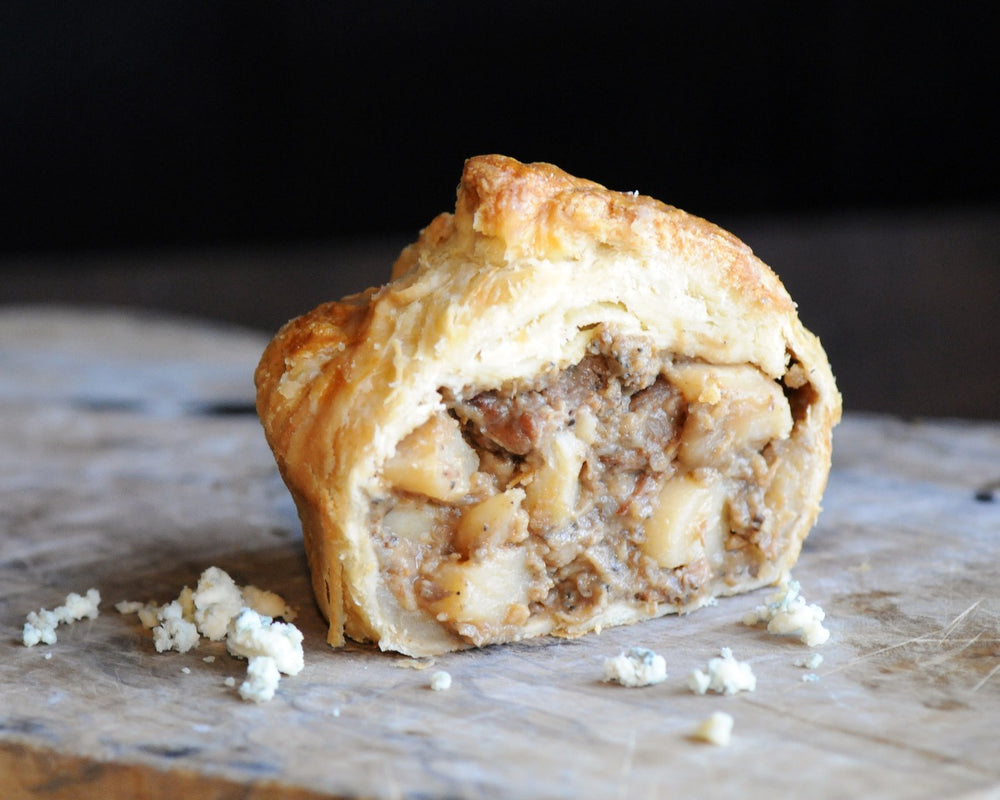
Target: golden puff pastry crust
column 570, row 408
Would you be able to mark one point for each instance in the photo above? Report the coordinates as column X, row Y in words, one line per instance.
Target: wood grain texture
column 131, row 462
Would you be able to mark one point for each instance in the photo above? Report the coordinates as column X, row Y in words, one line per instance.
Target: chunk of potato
column 492, row 522
column 434, row 461
column 731, row 408
column 687, row 521
column 412, row 522
column 552, row 494
column 482, row 592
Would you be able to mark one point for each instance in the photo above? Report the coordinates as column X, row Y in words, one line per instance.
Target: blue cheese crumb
column 174, row 631
column 812, row 662
column 217, row 599
column 723, row 675
column 40, row 626
column 218, row 609
column 786, row 613
column 637, row 666
column 261, row 679
column 251, row 634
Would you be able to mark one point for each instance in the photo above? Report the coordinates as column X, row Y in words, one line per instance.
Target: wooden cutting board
column 132, row 461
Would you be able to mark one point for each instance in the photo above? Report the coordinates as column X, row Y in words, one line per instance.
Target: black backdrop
column 183, row 123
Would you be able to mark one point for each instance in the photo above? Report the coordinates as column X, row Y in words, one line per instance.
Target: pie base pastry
column 570, row 408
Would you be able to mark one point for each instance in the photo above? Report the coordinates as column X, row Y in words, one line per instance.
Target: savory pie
column 570, row 408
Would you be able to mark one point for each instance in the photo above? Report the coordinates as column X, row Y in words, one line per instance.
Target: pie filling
column 632, row 477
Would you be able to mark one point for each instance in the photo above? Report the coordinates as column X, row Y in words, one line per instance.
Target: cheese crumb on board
column 786, row 613
column 440, row 681
column 175, row 634
column 40, row 626
column 77, row 607
column 218, row 609
column 716, row 729
column 723, row 675
column 811, row 662
column 217, row 599
column 637, row 666
column 251, row 634
column 175, row 631
column 261, row 680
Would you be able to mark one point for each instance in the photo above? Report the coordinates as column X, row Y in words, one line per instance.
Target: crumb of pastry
column 440, row 681
column 716, row 729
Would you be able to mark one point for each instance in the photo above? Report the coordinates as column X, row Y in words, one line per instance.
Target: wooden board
column 132, row 461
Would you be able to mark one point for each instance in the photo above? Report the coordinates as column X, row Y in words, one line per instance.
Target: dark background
column 238, row 149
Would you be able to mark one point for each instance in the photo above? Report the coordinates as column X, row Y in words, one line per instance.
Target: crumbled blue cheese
column 637, row 666
column 174, row 631
column 40, row 626
column 77, row 607
column 723, row 675
column 217, row 599
column 217, row 608
column 251, row 634
column 716, row 729
column 440, row 681
column 786, row 613
column 811, row 662
column 261, row 680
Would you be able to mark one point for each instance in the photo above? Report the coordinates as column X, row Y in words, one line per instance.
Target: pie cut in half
column 570, row 408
